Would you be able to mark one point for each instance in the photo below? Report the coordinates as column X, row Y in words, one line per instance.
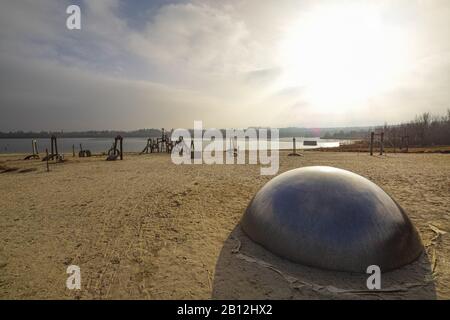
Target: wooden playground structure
column 234, row 148
column 404, row 145
column 154, row 145
column 83, row 153
column 35, row 154
column 116, row 151
column 162, row 144
column 53, row 155
column 379, row 139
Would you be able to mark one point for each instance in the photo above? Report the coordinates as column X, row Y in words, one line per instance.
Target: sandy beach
column 144, row 228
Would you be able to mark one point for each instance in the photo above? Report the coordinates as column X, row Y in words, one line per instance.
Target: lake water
column 99, row 145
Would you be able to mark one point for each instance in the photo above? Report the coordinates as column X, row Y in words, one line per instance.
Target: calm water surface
column 99, row 145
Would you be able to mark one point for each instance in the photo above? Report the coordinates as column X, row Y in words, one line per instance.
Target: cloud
column 47, row 96
column 263, row 76
column 182, row 61
column 197, row 38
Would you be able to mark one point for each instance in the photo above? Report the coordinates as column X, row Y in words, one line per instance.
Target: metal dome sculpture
column 332, row 219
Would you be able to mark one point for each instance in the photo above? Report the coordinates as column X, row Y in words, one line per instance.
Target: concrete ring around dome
column 246, row 270
column 332, row 219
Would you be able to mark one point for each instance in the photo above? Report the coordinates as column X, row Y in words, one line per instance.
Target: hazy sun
column 341, row 55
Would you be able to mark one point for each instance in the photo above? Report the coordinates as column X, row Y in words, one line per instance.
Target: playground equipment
column 233, row 147
column 332, row 219
column 35, row 151
column 163, row 141
column 294, row 149
column 84, row 153
column 151, row 146
column 53, row 151
column 46, row 160
column 116, row 151
column 393, row 141
column 194, row 154
column 180, row 145
column 404, row 145
column 380, row 140
column 172, row 144
column 162, row 144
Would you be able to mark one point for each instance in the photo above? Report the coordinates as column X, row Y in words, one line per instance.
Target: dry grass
column 363, row 147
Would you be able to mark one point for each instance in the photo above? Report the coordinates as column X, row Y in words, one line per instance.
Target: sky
column 152, row 64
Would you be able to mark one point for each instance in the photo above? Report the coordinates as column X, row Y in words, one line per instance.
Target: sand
column 144, row 228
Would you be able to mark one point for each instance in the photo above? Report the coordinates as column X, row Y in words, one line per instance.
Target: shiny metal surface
column 333, row 219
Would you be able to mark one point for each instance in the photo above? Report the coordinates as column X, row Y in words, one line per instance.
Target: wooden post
column 121, row 148
column 381, row 143
column 51, row 147
column 73, row 150
column 395, row 137
column 56, row 152
column 294, row 148
column 46, row 153
column 371, row 142
column 35, row 149
column 56, row 145
column 163, row 140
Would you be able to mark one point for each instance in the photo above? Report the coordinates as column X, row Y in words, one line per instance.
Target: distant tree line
column 283, row 133
column 425, row 130
column 82, row 134
column 358, row 134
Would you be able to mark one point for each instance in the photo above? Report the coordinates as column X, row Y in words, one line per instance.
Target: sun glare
column 341, row 56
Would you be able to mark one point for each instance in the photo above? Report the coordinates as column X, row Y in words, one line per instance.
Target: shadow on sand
column 245, row 270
